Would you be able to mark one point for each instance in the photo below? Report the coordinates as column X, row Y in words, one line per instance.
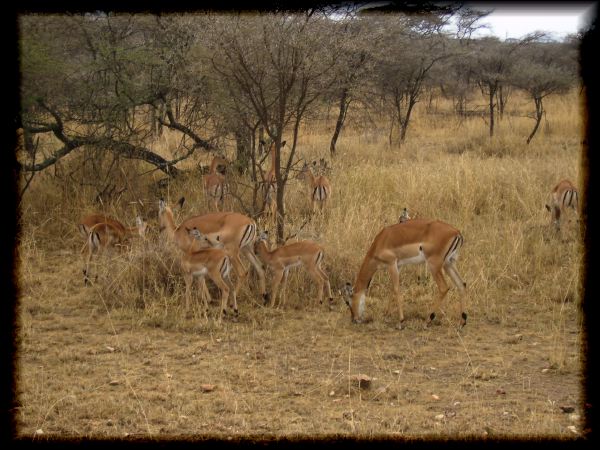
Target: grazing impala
column 211, row 262
column 319, row 186
column 414, row 241
column 564, row 195
column 304, row 253
column 214, row 183
column 104, row 235
column 235, row 231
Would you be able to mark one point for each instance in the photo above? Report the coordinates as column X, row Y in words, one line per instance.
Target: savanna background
column 121, row 110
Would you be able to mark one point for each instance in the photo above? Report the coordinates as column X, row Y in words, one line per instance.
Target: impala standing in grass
column 104, row 235
column 209, row 261
column 319, row 186
column 411, row 242
column 235, row 231
column 564, row 195
column 303, row 253
column 214, row 183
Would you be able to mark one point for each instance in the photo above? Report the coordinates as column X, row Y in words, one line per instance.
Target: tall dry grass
column 492, row 190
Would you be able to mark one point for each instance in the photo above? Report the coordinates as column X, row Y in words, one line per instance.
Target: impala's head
column 165, row 214
column 355, row 301
column 203, row 239
column 262, row 241
column 303, row 172
column 404, row 216
column 141, row 226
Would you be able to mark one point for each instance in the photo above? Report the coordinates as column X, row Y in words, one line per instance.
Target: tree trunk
column 344, row 103
column 243, row 150
column 411, row 104
column 539, row 112
column 492, row 106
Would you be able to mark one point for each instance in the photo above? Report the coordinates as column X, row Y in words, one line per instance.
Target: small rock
column 114, row 382
column 545, row 370
column 455, row 403
column 397, row 372
column 363, row 381
column 332, row 393
column 572, row 429
column 435, row 397
column 110, row 349
column 207, row 387
column 440, row 417
column 39, row 431
column 574, row 417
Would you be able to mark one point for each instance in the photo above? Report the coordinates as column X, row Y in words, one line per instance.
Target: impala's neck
column 167, row 223
column 363, row 280
column 310, row 177
column 214, row 164
column 263, row 251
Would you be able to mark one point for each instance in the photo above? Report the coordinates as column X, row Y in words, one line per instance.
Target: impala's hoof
column 463, row 322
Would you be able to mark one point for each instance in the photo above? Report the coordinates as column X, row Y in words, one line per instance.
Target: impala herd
column 212, row 245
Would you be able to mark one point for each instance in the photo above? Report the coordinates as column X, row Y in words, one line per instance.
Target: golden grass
column 122, row 359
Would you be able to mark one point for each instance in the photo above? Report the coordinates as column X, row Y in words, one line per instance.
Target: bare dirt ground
column 86, row 370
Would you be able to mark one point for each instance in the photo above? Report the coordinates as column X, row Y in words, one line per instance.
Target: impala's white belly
column 200, row 272
column 293, row 264
column 417, row 259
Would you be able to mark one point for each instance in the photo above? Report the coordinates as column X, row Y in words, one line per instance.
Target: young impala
column 304, row 253
column 104, row 235
column 214, row 183
column 319, row 186
column 564, row 195
column 235, row 231
column 209, row 261
column 411, row 242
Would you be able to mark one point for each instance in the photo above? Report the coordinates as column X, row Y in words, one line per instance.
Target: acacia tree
column 412, row 47
column 87, row 80
column 277, row 65
column 543, row 68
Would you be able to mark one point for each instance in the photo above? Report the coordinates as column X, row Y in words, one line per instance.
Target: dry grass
column 121, row 358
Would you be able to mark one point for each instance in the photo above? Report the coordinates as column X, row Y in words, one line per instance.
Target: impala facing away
column 212, row 262
column 564, row 195
column 214, row 183
column 319, row 186
column 235, row 231
column 104, row 235
column 411, row 242
column 304, row 253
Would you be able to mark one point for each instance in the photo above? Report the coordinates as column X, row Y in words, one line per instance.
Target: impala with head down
column 104, row 235
column 303, row 253
column 235, row 231
column 411, row 242
column 564, row 195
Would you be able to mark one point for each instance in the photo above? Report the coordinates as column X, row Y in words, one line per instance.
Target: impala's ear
column 180, row 202
column 547, row 207
column 314, row 163
column 283, row 143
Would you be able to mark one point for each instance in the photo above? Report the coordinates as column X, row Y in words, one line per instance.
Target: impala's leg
column 189, row 279
column 204, row 294
column 556, row 218
column 277, row 276
column 461, row 285
column 240, row 271
column 249, row 253
column 319, row 281
column 395, row 276
column 218, row 280
column 284, row 288
column 327, row 285
column 436, row 271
